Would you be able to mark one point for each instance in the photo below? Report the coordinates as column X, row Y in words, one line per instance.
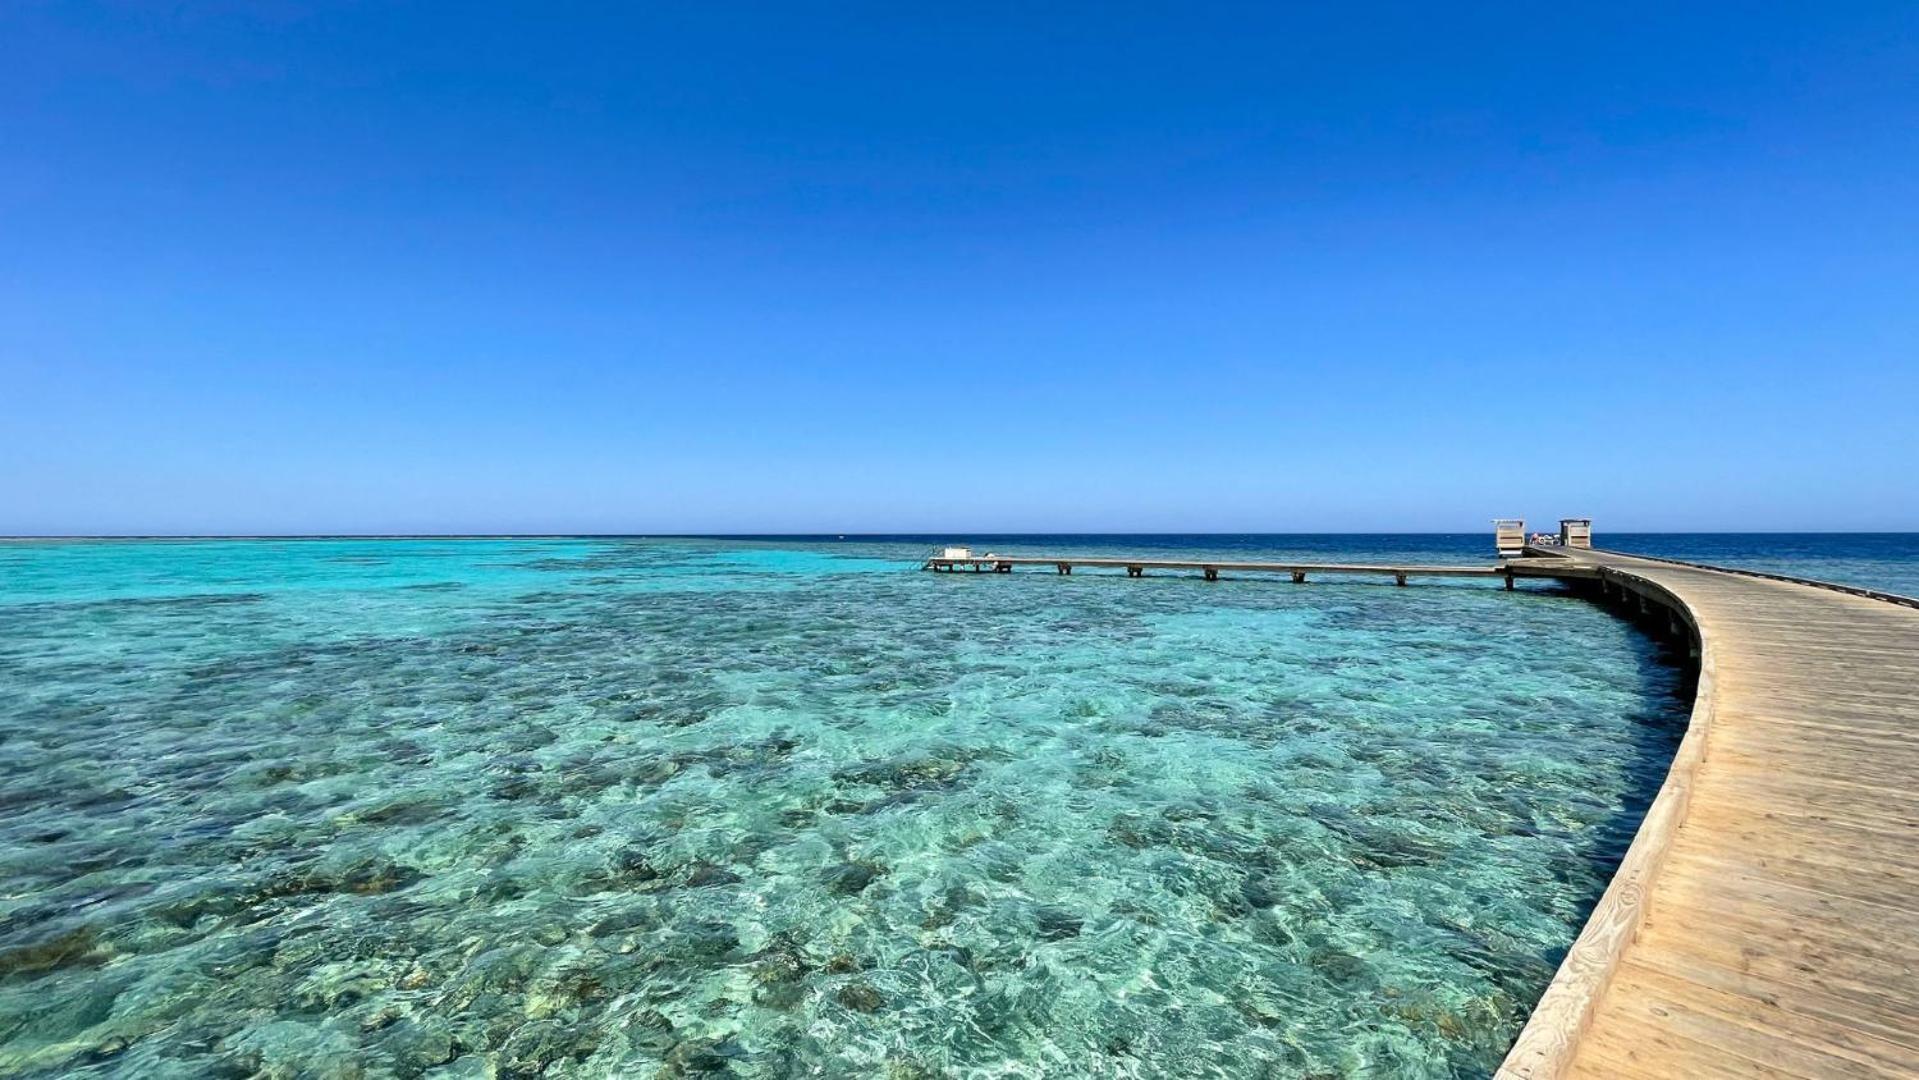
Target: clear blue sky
column 812, row 267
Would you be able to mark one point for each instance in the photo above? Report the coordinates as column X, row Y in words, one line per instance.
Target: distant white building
column 1509, row 535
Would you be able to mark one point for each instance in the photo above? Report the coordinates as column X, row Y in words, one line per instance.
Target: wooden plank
column 1634, row 1047
column 1831, row 991
column 1812, row 866
column 1747, row 1030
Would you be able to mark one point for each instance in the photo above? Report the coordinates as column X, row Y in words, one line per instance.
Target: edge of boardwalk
column 1761, row 1001
column 1549, row 1040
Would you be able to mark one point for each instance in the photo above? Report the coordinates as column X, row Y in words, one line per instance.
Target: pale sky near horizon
column 323, row 268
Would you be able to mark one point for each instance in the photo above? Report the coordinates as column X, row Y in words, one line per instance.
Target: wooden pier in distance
column 1210, row 570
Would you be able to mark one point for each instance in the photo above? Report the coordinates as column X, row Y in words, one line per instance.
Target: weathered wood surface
column 1766, row 920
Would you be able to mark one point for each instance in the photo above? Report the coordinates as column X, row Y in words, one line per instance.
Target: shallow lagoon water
column 594, row 807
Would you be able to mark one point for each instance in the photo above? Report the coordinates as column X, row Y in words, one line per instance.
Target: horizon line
column 950, row 534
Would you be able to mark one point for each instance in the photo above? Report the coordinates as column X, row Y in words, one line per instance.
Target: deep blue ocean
column 789, row 806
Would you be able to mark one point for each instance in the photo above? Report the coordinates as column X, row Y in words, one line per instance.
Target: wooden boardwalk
column 1765, row 922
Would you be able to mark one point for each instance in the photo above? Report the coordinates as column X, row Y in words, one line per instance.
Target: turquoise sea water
column 609, row 808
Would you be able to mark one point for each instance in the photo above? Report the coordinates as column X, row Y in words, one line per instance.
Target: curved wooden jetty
column 1765, row 922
